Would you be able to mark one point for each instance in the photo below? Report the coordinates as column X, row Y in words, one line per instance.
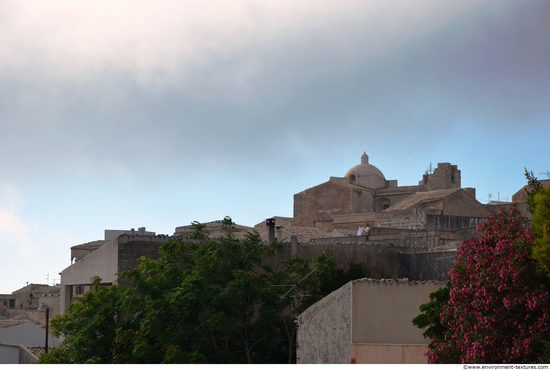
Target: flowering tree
column 498, row 311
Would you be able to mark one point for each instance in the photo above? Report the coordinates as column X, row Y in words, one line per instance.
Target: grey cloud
column 309, row 88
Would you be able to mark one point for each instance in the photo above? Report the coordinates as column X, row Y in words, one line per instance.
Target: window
column 352, row 179
column 79, row 289
column 385, row 206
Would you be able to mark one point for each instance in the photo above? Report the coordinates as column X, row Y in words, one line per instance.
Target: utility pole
column 47, row 329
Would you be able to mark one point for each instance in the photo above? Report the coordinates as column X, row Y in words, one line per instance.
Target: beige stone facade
column 437, row 205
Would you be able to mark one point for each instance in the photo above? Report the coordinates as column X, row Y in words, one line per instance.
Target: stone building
column 30, row 303
column 438, row 205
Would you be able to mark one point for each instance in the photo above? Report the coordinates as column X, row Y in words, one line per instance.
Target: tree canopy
column 541, row 227
column 203, row 301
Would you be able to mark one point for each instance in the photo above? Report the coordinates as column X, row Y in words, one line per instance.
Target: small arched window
column 352, row 179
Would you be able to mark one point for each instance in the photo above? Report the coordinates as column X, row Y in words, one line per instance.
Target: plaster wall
column 107, row 262
column 382, row 310
column 324, row 331
column 388, row 354
column 26, row 356
column 380, row 330
column 9, row 354
column 103, row 262
column 78, row 254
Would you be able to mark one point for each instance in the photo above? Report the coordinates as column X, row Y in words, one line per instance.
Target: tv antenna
column 429, row 170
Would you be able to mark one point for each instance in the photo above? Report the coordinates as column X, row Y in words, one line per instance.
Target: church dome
column 364, row 169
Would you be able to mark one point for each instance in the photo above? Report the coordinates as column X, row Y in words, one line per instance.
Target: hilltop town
column 405, row 236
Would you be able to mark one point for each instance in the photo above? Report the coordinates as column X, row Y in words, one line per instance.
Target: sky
column 126, row 114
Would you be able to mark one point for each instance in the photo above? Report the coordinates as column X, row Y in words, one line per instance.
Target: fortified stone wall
column 132, row 247
column 380, row 260
column 426, row 266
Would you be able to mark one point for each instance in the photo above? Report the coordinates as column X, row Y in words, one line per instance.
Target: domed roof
column 364, row 169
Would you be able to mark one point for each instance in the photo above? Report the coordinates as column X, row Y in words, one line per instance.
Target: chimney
column 270, row 222
column 279, row 233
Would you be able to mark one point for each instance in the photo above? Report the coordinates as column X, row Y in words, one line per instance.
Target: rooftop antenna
column 48, row 278
column 297, row 300
column 429, row 170
column 490, row 195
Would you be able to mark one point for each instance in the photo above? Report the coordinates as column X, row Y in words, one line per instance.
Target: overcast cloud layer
column 124, row 114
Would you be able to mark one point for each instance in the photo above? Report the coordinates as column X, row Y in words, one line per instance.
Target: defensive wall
column 426, row 266
column 381, row 260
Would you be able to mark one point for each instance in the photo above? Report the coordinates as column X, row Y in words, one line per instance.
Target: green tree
column 95, row 327
column 430, row 318
column 541, row 228
column 203, row 301
column 538, row 203
column 533, row 188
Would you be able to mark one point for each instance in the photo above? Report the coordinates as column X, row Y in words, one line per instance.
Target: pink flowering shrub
column 498, row 311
